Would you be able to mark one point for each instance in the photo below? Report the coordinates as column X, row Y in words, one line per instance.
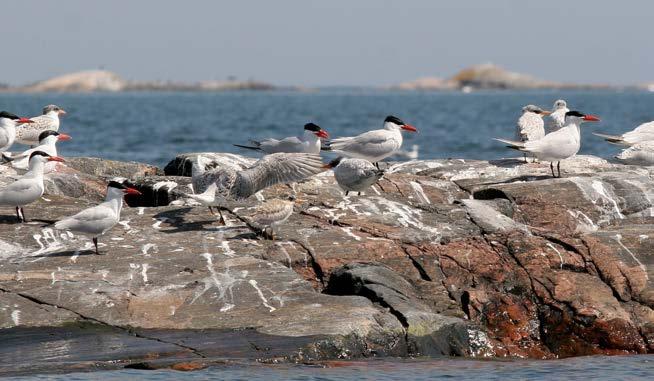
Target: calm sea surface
column 154, row 127
column 581, row 368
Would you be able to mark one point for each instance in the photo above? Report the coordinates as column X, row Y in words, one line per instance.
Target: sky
column 327, row 43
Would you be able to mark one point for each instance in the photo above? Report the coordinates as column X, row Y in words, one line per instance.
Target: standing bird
column 354, row 175
column 47, row 143
column 373, row 145
column 235, row 184
column 309, row 142
column 530, row 124
column 273, row 213
column 98, row 220
column 557, row 116
column 29, row 187
column 557, row 145
column 29, row 135
column 640, row 134
column 8, row 123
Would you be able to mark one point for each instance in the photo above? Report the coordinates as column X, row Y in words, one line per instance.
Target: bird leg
column 95, row 242
column 358, row 193
column 376, row 164
column 552, row 168
column 20, row 219
column 211, row 210
column 347, row 193
column 222, row 219
column 22, row 213
column 558, row 166
column 525, row 156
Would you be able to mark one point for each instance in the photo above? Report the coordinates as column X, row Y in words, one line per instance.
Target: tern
column 309, row 142
column 273, row 213
column 557, row 115
column 557, row 145
column 235, row 184
column 530, row 124
column 47, row 143
column 29, row 187
column 8, row 123
column 354, row 175
column 98, row 220
column 29, row 135
column 640, row 134
column 638, row 154
column 375, row 145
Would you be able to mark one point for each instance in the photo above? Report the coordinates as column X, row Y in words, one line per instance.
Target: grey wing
column 291, row 144
column 275, row 169
column 202, row 181
column 92, row 220
column 372, row 143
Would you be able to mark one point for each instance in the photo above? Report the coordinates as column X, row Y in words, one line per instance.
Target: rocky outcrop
column 444, row 257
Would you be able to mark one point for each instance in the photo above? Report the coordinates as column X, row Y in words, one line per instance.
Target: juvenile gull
column 273, row 213
column 308, row 142
column 354, row 175
column 98, row 220
column 29, row 187
column 29, row 135
column 557, row 115
column 557, row 145
column 530, row 124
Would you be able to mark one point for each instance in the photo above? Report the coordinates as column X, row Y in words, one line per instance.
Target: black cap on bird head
column 395, row 120
column 312, row 127
column 47, row 133
column 8, row 115
column 116, row 184
column 39, row 153
column 583, row 117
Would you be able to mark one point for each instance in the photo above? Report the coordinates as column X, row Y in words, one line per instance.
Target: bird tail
column 512, row 144
column 6, row 159
column 615, row 139
column 256, row 146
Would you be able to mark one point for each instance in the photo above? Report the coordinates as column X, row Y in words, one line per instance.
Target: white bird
column 557, row 145
column 29, row 187
column 309, row 142
column 273, row 213
column 29, row 135
column 373, row 145
column 638, row 154
column 8, row 122
column 47, row 143
column 530, row 124
column 98, row 220
column 640, row 134
column 354, row 175
column 235, row 184
column 557, row 115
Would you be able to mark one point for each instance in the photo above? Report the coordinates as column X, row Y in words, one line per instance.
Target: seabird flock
column 286, row 161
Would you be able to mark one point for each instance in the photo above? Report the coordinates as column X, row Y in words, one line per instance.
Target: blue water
column 581, row 368
column 154, row 127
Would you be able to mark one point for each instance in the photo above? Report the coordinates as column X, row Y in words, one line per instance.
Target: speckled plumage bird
column 273, row 213
column 29, row 134
column 530, row 125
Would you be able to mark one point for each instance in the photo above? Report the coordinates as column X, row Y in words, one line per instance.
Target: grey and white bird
column 640, row 134
column 354, row 175
column 530, row 125
column 47, row 143
column 638, row 154
column 308, row 142
column 29, row 135
column 277, row 168
column 29, row 187
column 272, row 213
column 557, row 115
column 8, row 123
column 373, row 145
column 99, row 219
column 557, row 145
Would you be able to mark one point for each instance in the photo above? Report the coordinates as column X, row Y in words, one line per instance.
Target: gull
column 8, row 123
column 530, row 124
column 47, row 143
column 638, row 154
column 642, row 133
column 309, row 142
column 235, row 184
column 29, row 187
column 557, row 115
column 373, row 145
column 558, row 145
column 354, row 175
column 273, row 213
column 29, row 135
column 98, row 220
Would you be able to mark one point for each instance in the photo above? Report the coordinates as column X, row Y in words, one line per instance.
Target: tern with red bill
column 641, row 134
column 98, row 220
column 309, row 142
column 29, row 187
column 373, row 145
column 8, row 123
column 557, row 145
column 47, row 143
column 29, row 135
